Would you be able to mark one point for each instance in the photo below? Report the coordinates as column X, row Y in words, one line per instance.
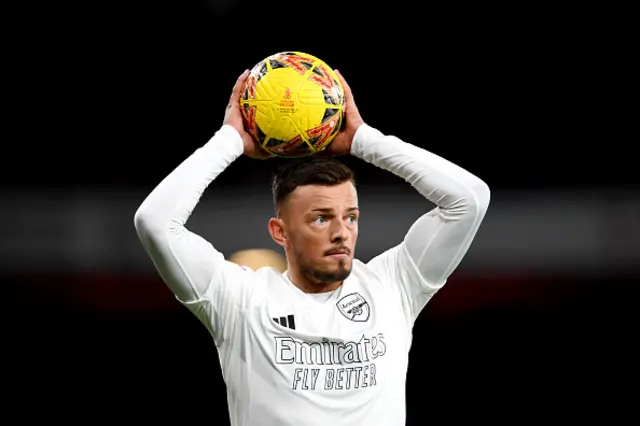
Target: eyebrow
column 329, row 210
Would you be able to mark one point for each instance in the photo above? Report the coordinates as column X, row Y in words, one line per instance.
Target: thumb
column 239, row 86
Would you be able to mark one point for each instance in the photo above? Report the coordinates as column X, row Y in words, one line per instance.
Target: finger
column 237, row 88
column 325, row 153
column 347, row 90
column 262, row 154
column 259, row 152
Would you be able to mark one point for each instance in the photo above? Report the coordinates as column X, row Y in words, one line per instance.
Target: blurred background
column 108, row 97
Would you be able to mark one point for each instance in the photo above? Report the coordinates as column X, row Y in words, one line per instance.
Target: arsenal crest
column 354, row 307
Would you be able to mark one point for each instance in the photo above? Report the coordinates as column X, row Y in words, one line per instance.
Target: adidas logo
column 287, row 321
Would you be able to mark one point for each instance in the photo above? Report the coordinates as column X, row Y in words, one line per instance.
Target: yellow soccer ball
column 292, row 104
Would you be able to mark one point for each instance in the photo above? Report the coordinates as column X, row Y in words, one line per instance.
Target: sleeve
column 214, row 289
column 437, row 242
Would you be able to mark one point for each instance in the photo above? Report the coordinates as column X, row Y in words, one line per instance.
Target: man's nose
column 340, row 231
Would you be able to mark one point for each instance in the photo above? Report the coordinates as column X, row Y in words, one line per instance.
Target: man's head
column 316, row 219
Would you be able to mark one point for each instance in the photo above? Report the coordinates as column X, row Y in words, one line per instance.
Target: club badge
column 354, row 307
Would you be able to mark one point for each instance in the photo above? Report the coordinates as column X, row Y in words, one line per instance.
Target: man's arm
column 190, row 266
column 436, row 243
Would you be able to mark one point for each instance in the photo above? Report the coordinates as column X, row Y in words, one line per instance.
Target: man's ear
column 278, row 232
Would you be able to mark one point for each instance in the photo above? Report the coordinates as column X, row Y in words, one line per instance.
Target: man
column 327, row 341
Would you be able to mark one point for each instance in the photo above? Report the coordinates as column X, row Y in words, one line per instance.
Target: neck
column 308, row 285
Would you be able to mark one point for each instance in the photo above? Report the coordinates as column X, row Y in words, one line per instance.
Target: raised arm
column 213, row 288
column 186, row 261
column 436, row 243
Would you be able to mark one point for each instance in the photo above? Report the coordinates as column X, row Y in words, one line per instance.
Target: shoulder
column 258, row 277
column 267, row 274
column 365, row 272
column 262, row 280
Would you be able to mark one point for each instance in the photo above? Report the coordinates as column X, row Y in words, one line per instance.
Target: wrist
column 359, row 140
column 229, row 136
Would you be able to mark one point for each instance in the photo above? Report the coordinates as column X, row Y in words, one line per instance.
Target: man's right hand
column 233, row 117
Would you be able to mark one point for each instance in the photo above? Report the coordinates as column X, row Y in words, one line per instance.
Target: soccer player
column 327, row 341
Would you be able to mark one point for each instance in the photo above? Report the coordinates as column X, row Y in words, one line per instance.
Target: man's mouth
column 341, row 251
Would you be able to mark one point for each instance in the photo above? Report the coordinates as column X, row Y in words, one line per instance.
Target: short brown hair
column 292, row 173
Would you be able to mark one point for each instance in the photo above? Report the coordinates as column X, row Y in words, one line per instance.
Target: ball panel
column 296, row 147
column 285, row 115
column 249, row 117
column 301, row 63
column 320, row 136
column 255, row 75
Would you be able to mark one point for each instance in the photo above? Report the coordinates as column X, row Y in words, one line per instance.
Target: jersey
column 292, row 358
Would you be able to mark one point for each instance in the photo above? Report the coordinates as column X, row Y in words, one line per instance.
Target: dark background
column 106, row 98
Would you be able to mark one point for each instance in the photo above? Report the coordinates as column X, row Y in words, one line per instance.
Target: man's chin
column 334, row 274
column 337, row 274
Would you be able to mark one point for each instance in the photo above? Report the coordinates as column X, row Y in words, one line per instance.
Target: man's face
column 322, row 229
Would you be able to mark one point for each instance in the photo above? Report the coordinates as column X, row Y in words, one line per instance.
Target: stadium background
column 539, row 320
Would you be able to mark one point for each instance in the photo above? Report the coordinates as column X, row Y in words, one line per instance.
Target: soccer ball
column 292, row 104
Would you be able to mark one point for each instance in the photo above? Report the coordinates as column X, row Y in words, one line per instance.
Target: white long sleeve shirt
column 291, row 358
